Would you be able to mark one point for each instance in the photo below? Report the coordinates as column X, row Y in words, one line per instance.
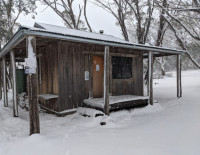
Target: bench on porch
column 49, row 101
column 117, row 102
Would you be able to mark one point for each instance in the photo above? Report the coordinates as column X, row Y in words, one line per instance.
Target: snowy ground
column 170, row 127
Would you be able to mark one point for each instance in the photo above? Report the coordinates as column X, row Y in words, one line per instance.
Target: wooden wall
column 134, row 85
column 71, row 75
column 63, row 65
column 48, row 67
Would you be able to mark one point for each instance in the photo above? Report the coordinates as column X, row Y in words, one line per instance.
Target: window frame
column 122, row 64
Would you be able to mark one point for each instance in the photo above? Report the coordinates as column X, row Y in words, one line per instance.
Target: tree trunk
column 106, row 80
column 14, row 84
column 150, row 79
column 33, row 86
column 4, row 82
column 1, row 82
column 163, row 72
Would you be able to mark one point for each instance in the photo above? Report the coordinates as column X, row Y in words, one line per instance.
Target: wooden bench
column 49, row 101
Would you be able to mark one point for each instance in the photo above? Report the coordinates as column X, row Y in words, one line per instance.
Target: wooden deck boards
column 117, row 102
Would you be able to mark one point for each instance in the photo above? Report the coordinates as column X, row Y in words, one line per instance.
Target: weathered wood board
column 63, row 67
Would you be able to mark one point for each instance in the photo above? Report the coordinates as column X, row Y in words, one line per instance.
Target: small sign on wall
column 87, row 76
column 30, row 70
column 97, row 68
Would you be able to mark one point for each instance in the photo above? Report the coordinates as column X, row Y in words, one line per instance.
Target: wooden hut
column 73, row 68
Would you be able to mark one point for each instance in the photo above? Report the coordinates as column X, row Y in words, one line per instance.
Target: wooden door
column 98, row 69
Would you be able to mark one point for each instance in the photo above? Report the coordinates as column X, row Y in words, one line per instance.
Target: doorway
column 98, row 71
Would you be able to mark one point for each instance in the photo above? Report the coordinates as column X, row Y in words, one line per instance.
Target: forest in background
column 163, row 23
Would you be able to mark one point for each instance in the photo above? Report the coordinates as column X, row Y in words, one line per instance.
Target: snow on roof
column 41, row 27
column 53, row 31
column 77, row 33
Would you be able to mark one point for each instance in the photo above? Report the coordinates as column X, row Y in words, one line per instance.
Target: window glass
column 121, row 67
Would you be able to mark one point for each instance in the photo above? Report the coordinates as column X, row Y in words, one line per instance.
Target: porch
column 117, row 102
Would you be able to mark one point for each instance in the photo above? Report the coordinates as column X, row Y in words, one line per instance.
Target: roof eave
column 22, row 33
column 105, row 43
column 16, row 39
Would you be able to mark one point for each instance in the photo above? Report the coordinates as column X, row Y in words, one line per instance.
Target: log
column 4, row 82
column 106, row 80
column 150, row 77
column 32, row 79
column 179, row 82
column 1, row 82
column 14, row 84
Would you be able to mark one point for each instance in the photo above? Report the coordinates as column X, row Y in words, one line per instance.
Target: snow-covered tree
column 10, row 11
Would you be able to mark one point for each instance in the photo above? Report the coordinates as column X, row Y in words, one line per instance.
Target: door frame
column 98, row 84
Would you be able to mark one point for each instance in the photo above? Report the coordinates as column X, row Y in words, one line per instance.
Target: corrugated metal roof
column 63, row 33
column 76, row 33
column 88, row 35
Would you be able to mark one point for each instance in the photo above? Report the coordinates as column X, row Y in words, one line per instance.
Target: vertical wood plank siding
column 134, row 85
column 49, row 69
column 71, row 76
column 63, row 72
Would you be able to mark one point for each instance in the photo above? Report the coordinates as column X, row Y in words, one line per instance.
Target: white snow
column 48, row 96
column 31, row 61
column 99, row 102
column 76, row 33
column 170, row 127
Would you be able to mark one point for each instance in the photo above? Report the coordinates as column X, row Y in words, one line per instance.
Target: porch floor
column 117, row 102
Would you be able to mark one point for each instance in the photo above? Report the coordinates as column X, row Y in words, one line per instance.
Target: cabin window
column 121, row 67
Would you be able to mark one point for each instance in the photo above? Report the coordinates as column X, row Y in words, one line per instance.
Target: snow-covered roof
column 63, row 33
column 76, row 33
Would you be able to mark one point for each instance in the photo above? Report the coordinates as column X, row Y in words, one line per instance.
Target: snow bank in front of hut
column 88, row 112
column 170, row 127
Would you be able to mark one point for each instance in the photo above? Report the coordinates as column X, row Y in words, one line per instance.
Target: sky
column 99, row 19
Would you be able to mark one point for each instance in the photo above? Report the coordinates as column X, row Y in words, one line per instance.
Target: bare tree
column 119, row 9
column 181, row 43
column 182, row 20
column 85, row 15
column 65, row 10
column 160, row 36
column 143, row 18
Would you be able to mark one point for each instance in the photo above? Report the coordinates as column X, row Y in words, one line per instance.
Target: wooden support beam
column 31, row 62
column 1, row 81
column 4, row 82
column 106, row 80
column 150, row 77
column 179, row 82
column 14, row 83
column 90, row 76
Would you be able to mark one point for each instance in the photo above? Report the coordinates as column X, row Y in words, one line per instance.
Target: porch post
column 150, row 77
column 106, row 80
column 4, row 82
column 179, row 82
column 14, row 84
column 31, row 63
column 1, row 82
